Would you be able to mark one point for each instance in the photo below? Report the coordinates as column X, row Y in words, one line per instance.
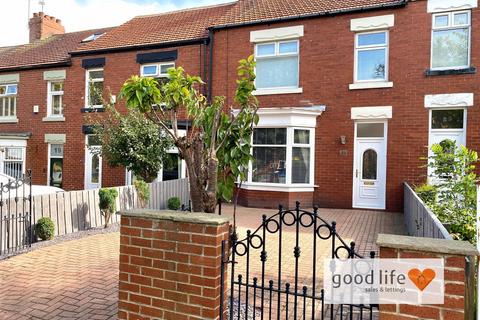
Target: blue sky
column 83, row 14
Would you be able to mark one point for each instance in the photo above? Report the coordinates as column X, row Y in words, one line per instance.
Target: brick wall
column 326, row 70
column 170, row 265
column 459, row 276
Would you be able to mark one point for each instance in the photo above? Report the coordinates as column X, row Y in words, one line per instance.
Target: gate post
column 171, row 265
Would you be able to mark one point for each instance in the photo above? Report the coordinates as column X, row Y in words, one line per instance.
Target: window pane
column 95, row 169
column 461, row 19
column 371, row 39
column 275, row 136
column 56, row 172
column 94, row 140
column 57, row 86
column 96, row 94
column 12, row 89
column 288, row 47
column 265, row 49
column 149, row 70
column 13, row 154
column 441, row 21
column 371, row 64
column 370, row 130
column 171, row 167
column 301, row 165
column 57, row 107
column 369, row 167
column 96, row 74
column 301, row 137
column 277, row 72
column 269, row 164
column 447, row 119
column 164, row 68
column 450, row 48
column 3, row 89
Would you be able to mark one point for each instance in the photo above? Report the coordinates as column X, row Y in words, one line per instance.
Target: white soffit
column 449, row 100
column 276, row 34
column 368, row 113
column 372, row 23
column 55, row 138
column 450, row 5
column 9, row 78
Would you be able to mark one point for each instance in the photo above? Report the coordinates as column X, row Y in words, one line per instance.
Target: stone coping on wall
column 177, row 216
column 430, row 245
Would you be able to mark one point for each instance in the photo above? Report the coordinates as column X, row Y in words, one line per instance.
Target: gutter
column 180, row 43
column 399, row 4
column 37, row 66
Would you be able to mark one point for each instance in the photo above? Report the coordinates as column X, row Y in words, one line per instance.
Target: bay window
column 282, row 156
column 451, row 40
column 371, row 56
column 8, row 101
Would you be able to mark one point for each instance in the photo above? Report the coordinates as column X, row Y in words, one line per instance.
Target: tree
column 217, row 148
column 132, row 141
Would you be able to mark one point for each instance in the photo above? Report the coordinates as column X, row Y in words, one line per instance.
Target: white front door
column 370, row 165
column 93, row 164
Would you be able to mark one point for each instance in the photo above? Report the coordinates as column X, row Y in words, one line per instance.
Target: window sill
column 265, row 92
column 279, row 187
column 9, row 120
column 370, row 85
column 448, row 72
column 53, row 119
column 92, row 109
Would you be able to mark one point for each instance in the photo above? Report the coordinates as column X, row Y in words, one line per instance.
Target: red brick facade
column 326, row 70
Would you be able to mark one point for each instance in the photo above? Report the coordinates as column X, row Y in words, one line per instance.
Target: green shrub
column 143, row 192
column 174, row 203
column 45, row 228
column 107, row 203
column 427, row 193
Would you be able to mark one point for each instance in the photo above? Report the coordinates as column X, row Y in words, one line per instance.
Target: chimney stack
column 43, row 26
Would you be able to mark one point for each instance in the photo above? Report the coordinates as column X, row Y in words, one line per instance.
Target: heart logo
column 421, row 278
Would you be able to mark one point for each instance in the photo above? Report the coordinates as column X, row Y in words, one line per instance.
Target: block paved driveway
column 78, row 279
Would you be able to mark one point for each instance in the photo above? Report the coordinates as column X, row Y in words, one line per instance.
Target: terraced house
column 352, row 93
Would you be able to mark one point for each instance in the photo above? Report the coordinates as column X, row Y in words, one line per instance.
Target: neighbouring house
column 352, row 93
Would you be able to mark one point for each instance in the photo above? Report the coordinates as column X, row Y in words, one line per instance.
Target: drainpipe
column 210, row 65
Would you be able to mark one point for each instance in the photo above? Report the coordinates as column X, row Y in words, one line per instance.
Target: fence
column 78, row 210
column 420, row 221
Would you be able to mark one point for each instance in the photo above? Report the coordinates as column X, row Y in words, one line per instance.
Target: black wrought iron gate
column 16, row 223
column 271, row 287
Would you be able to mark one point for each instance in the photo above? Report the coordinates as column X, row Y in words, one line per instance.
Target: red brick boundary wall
column 170, row 265
column 459, row 276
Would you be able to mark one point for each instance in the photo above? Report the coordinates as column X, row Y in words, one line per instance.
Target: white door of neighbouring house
column 370, row 165
column 93, row 163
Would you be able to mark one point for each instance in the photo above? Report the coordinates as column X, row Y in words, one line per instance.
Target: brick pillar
column 170, row 265
column 459, row 261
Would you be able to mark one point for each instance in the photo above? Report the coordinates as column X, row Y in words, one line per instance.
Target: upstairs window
column 451, row 40
column 371, row 56
column 94, row 94
column 158, row 70
column 8, row 101
column 277, row 65
column 55, row 99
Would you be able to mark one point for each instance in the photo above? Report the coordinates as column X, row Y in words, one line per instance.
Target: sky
column 83, row 14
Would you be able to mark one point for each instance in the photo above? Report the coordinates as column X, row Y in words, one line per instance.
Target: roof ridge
column 187, row 10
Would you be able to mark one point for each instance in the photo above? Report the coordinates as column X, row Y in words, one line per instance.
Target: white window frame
column 5, row 160
column 50, row 95
column 50, row 157
column 87, row 86
column 288, row 185
column 358, row 48
column 451, row 19
column 159, row 68
column 3, row 98
column 279, row 90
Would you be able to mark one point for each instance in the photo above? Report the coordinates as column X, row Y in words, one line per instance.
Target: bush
column 427, row 193
column 174, row 203
column 45, row 228
column 143, row 192
column 108, row 199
